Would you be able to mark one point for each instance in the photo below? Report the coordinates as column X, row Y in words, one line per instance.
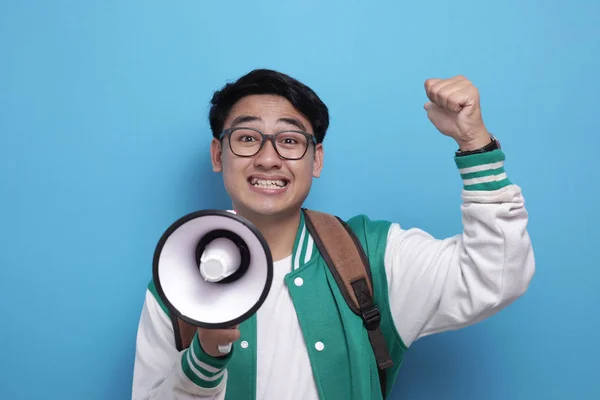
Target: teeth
column 268, row 184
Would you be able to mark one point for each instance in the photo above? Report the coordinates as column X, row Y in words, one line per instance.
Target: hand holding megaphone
column 213, row 270
column 217, row 342
column 220, row 259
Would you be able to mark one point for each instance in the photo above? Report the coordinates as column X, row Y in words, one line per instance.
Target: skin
column 453, row 108
column 276, row 213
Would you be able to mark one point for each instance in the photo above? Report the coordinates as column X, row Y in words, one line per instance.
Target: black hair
column 266, row 81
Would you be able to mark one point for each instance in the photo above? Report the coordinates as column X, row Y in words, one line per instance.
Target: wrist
column 476, row 143
column 204, row 370
column 491, row 145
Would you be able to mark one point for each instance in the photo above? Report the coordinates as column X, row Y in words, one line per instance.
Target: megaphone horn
column 212, row 269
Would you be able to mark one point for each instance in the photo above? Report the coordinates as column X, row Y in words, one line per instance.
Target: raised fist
column 453, row 108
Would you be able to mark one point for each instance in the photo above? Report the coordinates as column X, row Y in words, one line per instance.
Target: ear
column 216, row 155
column 318, row 160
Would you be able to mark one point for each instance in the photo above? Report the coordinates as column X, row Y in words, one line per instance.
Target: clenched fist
column 454, row 110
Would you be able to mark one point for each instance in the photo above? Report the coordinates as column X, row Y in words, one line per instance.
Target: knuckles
column 434, row 84
column 450, row 90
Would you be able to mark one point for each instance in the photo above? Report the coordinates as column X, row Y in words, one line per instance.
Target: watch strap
column 493, row 145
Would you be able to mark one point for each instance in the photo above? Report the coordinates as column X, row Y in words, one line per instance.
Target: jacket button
column 298, row 281
column 244, row 344
column 319, row 346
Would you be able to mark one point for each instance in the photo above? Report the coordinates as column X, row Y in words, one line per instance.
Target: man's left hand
column 455, row 111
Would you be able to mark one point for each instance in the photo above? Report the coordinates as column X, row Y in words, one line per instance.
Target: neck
column 279, row 231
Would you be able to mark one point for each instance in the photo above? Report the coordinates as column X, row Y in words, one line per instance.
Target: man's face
column 253, row 183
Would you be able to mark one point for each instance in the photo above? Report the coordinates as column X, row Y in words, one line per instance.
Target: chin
column 264, row 208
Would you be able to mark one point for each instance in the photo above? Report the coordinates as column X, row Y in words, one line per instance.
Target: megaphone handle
column 224, row 348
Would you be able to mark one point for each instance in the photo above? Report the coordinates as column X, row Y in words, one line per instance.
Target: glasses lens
column 291, row 144
column 245, row 142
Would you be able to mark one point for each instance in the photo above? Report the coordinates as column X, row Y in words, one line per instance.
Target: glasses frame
column 310, row 138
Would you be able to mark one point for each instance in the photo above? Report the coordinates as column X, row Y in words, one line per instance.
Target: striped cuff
column 202, row 369
column 483, row 171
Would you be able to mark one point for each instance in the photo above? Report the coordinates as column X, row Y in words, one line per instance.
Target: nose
column 267, row 157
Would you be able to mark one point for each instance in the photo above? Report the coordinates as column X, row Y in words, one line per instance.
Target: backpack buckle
column 371, row 318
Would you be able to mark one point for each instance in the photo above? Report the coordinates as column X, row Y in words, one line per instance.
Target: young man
column 304, row 343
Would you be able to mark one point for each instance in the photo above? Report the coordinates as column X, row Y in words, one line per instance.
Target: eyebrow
column 251, row 118
column 293, row 121
column 243, row 119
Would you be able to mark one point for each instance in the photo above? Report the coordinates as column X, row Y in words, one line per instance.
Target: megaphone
column 213, row 269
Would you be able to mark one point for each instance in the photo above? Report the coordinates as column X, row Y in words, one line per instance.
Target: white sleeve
column 162, row 372
column 436, row 285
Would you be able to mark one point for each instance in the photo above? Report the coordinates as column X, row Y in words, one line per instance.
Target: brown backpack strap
column 346, row 259
column 343, row 253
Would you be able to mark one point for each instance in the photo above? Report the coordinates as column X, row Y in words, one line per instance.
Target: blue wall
column 104, row 143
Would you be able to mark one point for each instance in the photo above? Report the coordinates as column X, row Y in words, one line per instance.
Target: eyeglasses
column 289, row 144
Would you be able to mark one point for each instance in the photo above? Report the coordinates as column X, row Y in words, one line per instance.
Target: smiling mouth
column 268, row 183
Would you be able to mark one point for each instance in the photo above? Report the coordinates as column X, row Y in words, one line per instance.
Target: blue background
column 105, row 139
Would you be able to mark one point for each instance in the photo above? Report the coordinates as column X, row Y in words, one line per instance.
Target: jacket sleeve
column 436, row 285
column 162, row 372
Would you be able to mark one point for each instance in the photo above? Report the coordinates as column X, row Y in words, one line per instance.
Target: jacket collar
column 304, row 246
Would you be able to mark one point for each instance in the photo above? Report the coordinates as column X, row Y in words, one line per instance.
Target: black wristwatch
column 493, row 145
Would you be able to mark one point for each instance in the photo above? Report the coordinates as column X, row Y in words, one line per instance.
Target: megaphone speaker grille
column 241, row 245
column 191, row 297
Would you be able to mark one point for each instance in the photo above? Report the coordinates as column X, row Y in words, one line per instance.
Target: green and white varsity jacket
column 304, row 343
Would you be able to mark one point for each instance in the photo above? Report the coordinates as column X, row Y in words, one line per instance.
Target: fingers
column 450, row 94
column 211, row 339
column 439, row 90
column 229, row 336
column 220, row 336
column 435, row 112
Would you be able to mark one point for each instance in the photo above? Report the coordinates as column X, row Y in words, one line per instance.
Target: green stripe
column 199, row 367
column 152, row 289
column 304, row 248
column 219, row 363
column 495, row 185
column 297, row 244
column 479, row 159
column 195, row 378
column 313, row 251
column 480, row 174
